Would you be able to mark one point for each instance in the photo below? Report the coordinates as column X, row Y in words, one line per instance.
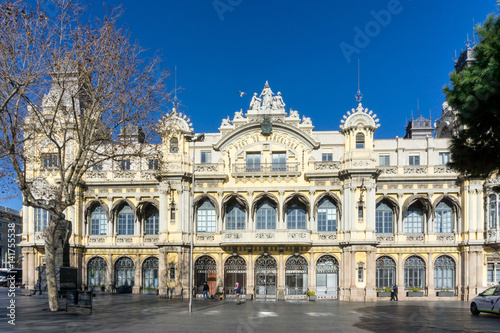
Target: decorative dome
column 174, row 122
column 359, row 118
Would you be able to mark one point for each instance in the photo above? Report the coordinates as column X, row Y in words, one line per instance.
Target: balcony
column 266, row 236
column 268, row 169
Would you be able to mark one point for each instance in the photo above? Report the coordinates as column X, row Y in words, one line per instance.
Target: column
column 84, row 274
column 110, row 271
column 162, row 272
column 311, row 273
column 281, row 274
column 430, row 275
column 480, row 211
column 219, row 218
column 250, row 274
column 400, row 228
column 371, row 292
column 137, row 275
column 163, row 209
column 281, row 222
column 312, row 220
column 250, row 225
column 220, row 274
column 370, row 208
column 400, row 273
column 472, row 225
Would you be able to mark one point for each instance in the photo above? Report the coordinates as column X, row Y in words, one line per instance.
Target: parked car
column 487, row 301
column 3, row 277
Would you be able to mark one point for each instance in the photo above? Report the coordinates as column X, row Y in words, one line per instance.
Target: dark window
column 50, row 160
column 360, row 141
column 174, row 145
column 153, row 164
column 125, row 164
column 326, row 157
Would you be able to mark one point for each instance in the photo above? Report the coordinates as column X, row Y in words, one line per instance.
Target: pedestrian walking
column 394, row 293
column 206, row 288
column 238, row 292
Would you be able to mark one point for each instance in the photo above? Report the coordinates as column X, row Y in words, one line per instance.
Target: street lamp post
column 192, row 138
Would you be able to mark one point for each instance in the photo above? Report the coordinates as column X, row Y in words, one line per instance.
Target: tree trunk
column 56, row 235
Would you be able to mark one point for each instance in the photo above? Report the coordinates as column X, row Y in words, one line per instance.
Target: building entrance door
column 327, row 270
column 265, row 277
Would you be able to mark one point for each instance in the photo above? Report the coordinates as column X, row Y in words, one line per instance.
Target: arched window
column 124, row 274
column 205, row 270
column 235, row 216
column 360, row 141
column 205, row 217
column 266, row 216
column 444, row 218
column 327, row 277
column 414, row 219
column 444, row 273
column 384, row 219
column 174, row 145
column 150, row 273
column 42, row 218
column 493, row 211
column 96, row 272
column 126, row 221
column 296, row 276
column 386, row 272
column 327, row 215
column 296, row 216
column 235, row 270
column 98, row 221
column 151, row 221
column 265, row 277
column 414, row 273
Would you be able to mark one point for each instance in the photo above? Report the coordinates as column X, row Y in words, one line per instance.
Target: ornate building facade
column 282, row 209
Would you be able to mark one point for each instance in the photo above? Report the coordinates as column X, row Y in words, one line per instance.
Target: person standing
column 238, row 292
column 394, row 292
column 205, row 291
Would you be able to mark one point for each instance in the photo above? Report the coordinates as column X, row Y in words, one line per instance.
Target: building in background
column 8, row 217
column 282, row 209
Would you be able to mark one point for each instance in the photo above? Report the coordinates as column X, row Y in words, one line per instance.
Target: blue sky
column 309, row 52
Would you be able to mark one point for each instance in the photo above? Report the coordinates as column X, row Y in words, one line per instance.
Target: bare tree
column 73, row 95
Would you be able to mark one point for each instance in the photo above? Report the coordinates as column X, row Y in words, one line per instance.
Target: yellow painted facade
column 283, row 209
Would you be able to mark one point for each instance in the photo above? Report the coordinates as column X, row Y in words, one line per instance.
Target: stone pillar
column 83, row 282
column 400, row 228
column 163, row 207
column 400, row 273
column 311, row 273
column 250, row 225
column 110, row 278
column 281, row 223
column 162, row 272
column 220, row 274
column 472, row 225
column 370, row 208
column 219, row 214
column 250, row 274
column 312, row 220
column 430, row 276
column 480, row 211
column 137, row 275
column 281, row 274
column 371, row 291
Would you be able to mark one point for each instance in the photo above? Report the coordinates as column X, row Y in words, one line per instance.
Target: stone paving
column 144, row 313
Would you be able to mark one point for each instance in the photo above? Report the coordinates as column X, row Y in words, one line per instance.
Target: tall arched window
column 386, row 272
column 124, row 274
column 266, row 215
column 444, row 273
column 414, row 273
column 414, row 219
column 360, row 141
column 296, row 216
column 493, row 211
column 150, row 273
column 126, row 221
column 151, row 221
column 296, row 276
column 327, row 215
column 42, row 218
column 174, row 145
column 98, row 221
column 235, row 216
column 384, row 219
column 205, row 217
column 327, row 276
column 96, row 272
column 205, row 270
column 444, row 218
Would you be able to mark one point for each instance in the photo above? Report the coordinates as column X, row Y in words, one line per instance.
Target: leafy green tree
column 475, row 93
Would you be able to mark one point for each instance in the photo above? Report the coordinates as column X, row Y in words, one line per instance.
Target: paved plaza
column 143, row 313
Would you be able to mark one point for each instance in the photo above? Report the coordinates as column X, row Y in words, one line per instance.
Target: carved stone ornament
column 266, row 126
column 42, row 190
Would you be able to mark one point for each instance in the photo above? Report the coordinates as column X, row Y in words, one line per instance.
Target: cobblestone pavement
column 143, row 313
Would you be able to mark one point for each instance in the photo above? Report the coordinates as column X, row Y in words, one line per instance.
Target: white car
column 487, row 301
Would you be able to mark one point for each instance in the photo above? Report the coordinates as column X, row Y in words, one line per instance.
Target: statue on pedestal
column 255, row 103
column 267, row 97
column 278, row 101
